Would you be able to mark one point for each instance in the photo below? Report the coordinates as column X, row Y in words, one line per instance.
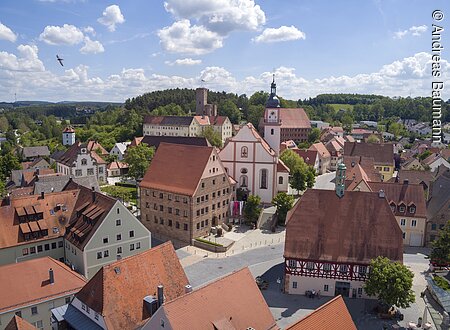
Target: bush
column 441, row 282
column 208, row 242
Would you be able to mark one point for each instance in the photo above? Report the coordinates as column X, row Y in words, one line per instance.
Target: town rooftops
column 223, row 304
column 35, row 217
column 414, row 176
column 439, row 192
column 294, row 118
column 321, row 150
column 18, row 323
column 56, row 182
column 309, row 156
column 382, row 153
column 331, row 315
column 92, row 147
column 358, row 227
column 168, row 120
column 27, row 283
column 177, row 168
column 122, row 286
column 409, row 194
column 32, row 152
column 154, row 141
column 366, row 163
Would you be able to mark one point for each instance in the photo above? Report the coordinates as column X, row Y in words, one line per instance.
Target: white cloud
column 111, row 16
column 415, row 31
column 220, row 16
column 283, row 33
column 6, row 33
column 26, row 74
column 184, row 61
column 91, row 47
column 181, row 37
column 27, row 61
column 61, row 35
column 90, row 30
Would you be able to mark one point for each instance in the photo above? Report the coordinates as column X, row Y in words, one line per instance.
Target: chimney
column 51, row 276
column 160, row 295
column 406, row 181
column 187, row 288
column 93, row 194
column 381, row 194
column 42, row 194
column 7, row 200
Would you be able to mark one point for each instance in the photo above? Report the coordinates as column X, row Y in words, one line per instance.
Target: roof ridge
column 66, row 268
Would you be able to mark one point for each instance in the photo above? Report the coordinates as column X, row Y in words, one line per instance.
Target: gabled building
column 424, row 178
column 201, row 309
column 84, row 159
column 336, row 149
column 407, row 202
column 30, row 289
column 18, row 323
column 101, row 230
column 31, row 153
column 282, row 124
column 382, row 154
column 434, row 160
column 126, row 293
column 311, row 157
column 331, row 315
column 249, row 159
column 185, row 191
column 119, row 150
column 68, row 136
column 324, row 157
column 331, row 237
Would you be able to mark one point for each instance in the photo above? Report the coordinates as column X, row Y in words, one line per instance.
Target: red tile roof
column 117, row 165
column 10, row 232
column 177, row 168
column 403, row 192
column 18, row 323
column 331, row 315
column 223, row 304
column 355, row 228
column 309, row 156
column 294, row 118
column 27, row 283
column 366, row 163
column 281, row 167
column 122, row 286
column 321, row 149
column 382, row 153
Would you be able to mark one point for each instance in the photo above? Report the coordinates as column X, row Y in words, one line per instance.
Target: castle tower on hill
column 202, row 108
column 68, row 136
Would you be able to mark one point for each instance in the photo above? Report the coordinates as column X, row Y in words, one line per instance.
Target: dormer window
column 392, row 205
column 412, row 209
column 401, row 208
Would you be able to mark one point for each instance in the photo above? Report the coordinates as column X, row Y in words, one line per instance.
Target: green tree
column 373, row 139
column 391, row 282
column 424, row 154
column 259, row 98
column 252, row 208
column 284, row 203
column 255, row 113
column 229, row 109
column 169, row 110
column 397, row 129
column 301, row 175
column 212, row 136
column 138, row 159
column 440, row 252
column 314, row 135
column 347, row 121
column 8, row 163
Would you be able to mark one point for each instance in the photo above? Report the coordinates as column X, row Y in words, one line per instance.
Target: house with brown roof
column 311, row 157
column 249, row 159
column 382, row 154
column 18, row 323
column 283, row 124
column 127, row 292
column 33, row 226
column 84, row 159
column 435, row 160
column 185, row 192
column 336, row 149
column 331, row 237
column 324, row 157
column 407, row 202
column 31, row 153
column 222, row 304
column 30, row 289
column 424, row 178
column 438, row 206
column 101, row 230
column 331, row 315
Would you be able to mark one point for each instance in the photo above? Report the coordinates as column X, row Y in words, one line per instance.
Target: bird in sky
column 60, row 60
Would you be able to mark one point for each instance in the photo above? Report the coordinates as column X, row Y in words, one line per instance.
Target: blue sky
column 116, row 50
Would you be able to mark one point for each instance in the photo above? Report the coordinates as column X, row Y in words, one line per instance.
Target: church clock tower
column 272, row 120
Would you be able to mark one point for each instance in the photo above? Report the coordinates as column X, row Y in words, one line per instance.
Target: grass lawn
column 127, row 194
column 337, row 107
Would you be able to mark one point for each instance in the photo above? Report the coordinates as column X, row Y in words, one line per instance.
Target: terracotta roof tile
column 331, row 315
column 367, row 165
column 177, row 168
column 222, row 304
column 9, row 223
column 122, row 286
column 27, row 282
column 355, row 228
column 309, row 156
column 381, row 153
column 321, row 149
column 18, row 323
column 281, row 167
column 294, row 118
column 406, row 192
